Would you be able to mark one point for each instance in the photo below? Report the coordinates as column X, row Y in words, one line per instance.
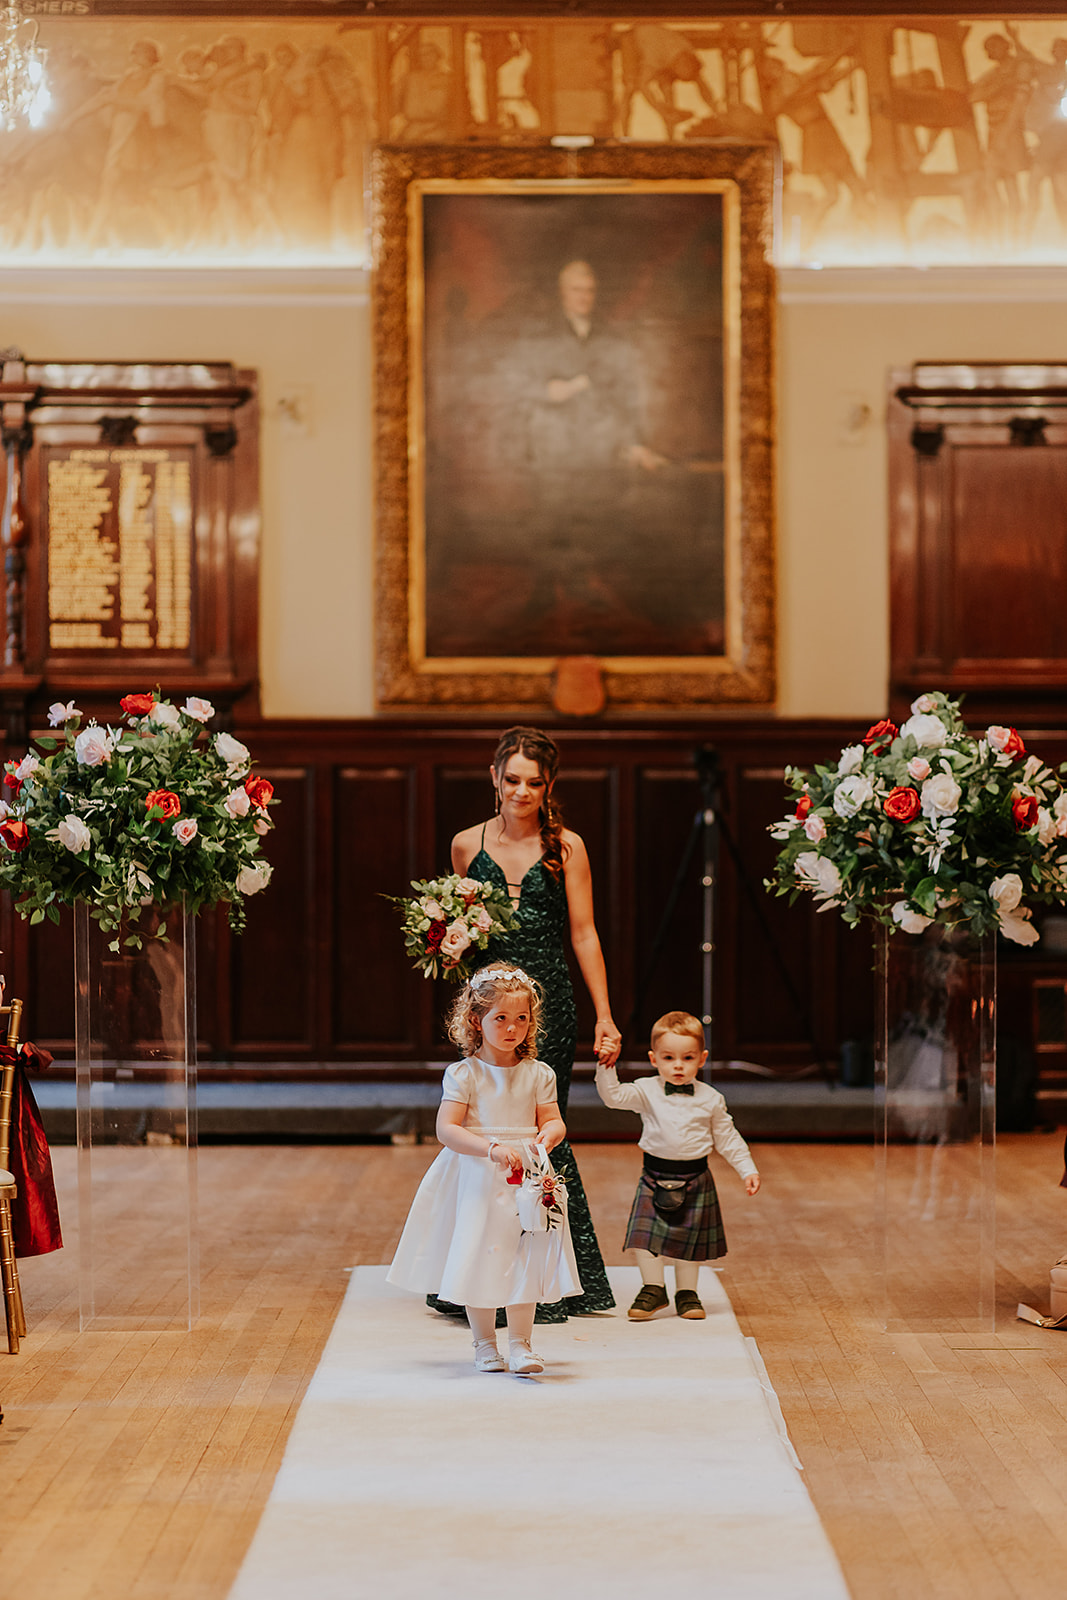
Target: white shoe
column 523, row 1361
column 487, row 1358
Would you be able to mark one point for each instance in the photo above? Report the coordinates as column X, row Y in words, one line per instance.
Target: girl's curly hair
column 480, row 993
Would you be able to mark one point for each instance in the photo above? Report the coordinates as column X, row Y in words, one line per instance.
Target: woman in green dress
column 545, row 868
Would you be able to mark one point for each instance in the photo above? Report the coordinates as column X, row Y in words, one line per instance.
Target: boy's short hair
column 678, row 1022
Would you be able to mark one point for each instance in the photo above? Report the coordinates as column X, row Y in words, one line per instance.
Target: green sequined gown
column 536, row 945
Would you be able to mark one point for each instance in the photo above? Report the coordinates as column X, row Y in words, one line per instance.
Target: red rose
column 258, row 790
column 165, row 801
column 12, row 781
column 1024, row 810
column 902, row 805
column 137, row 705
column 434, row 934
column 803, row 806
column 15, row 834
column 1013, row 745
column 883, row 732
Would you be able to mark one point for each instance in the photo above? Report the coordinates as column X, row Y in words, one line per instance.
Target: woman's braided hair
column 537, row 746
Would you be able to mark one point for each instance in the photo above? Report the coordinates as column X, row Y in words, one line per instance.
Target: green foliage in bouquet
column 152, row 813
column 450, row 920
column 928, row 823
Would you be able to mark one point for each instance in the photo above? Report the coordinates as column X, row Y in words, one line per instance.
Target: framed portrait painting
column 574, row 425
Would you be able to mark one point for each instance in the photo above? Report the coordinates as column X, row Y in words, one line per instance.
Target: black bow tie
column 677, row 1088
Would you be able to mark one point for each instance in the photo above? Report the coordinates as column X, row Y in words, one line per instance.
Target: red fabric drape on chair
column 35, row 1214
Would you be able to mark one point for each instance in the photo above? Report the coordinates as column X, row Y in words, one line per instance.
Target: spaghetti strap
column 485, row 825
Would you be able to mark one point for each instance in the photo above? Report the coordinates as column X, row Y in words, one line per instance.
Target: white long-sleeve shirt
column 678, row 1127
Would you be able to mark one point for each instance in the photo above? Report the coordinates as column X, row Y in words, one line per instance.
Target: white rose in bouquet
column 74, row 834
column 851, row 760
column 1006, row 891
column 929, row 732
column 818, row 873
column 93, row 746
column 940, row 796
column 908, row 920
column 851, row 794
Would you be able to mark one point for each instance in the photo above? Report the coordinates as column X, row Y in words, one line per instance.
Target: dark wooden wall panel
column 274, row 964
column 375, row 1000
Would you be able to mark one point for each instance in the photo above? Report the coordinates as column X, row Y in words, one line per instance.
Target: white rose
column 1034, row 765
column 261, row 826
column 925, row 702
column 431, row 907
column 851, row 794
column 185, row 830
column 819, row 873
column 851, row 760
column 202, row 710
column 1007, row 891
column 918, row 768
column 58, row 712
column 167, row 716
column 92, row 747
column 457, row 939
column 237, row 803
column 250, row 880
column 1059, row 805
column 815, row 829
column 908, row 920
column 231, row 750
column 1016, row 926
column 74, row 834
column 941, row 796
column 997, row 736
column 27, row 766
column 1046, row 825
column 928, row 732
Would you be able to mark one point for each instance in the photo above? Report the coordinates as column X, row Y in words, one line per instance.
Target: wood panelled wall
column 319, row 979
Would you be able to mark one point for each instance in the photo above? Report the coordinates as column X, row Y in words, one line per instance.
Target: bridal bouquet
column 928, row 823
column 150, row 813
column 449, row 919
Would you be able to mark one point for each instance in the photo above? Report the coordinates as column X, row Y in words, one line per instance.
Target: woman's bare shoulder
column 465, row 845
column 573, row 845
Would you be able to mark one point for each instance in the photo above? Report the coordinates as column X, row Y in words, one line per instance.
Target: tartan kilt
column 697, row 1235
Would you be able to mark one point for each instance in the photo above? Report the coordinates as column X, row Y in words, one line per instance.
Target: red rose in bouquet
column 137, row 705
column 1024, row 810
column 883, row 732
column 15, row 834
column 902, row 804
column 258, row 790
column 803, row 807
column 165, row 801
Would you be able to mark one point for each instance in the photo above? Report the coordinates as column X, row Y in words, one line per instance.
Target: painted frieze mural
column 184, row 141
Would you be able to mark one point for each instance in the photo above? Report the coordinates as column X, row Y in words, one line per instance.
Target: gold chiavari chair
column 9, row 1272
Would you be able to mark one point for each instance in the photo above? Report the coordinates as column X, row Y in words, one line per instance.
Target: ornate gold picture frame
column 574, row 416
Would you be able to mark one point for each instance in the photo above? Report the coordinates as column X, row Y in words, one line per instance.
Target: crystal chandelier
column 23, row 87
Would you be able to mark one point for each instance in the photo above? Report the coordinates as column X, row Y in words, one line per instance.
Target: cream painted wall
column 309, row 336
column 839, row 335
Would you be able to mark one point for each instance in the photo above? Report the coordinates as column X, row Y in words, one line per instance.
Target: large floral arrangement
column 448, row 920
column 928, row 823
column 150, row 813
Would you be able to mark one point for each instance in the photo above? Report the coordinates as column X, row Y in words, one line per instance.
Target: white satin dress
column 462, row 1240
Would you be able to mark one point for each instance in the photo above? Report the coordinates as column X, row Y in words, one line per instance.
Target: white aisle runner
column 646, row 1460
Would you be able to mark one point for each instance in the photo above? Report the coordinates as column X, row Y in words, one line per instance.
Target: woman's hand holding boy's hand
column 752, row 1183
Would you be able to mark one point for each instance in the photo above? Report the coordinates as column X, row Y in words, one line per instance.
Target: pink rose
column 918, row 768
column 815, row 828
column 92, row 747
column 237, row 803
column 261, row 826
column 431, row 907
column 482, row 920
column 202, row 710
column 456, row 940
column 185, row 831
column 468, row 889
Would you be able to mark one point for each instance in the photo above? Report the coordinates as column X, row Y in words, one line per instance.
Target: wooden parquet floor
column 134, row 1466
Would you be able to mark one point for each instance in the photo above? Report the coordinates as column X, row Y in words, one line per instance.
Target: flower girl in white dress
column 464, row 1240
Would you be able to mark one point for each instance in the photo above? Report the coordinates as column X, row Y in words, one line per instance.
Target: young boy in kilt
column 675, row 1214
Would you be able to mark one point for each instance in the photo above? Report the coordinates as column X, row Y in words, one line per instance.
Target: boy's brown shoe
column 687, row 1304
column 650, row 1299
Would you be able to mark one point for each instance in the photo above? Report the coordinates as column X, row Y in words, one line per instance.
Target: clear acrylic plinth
column 935, row 1133
column 135, row 1024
